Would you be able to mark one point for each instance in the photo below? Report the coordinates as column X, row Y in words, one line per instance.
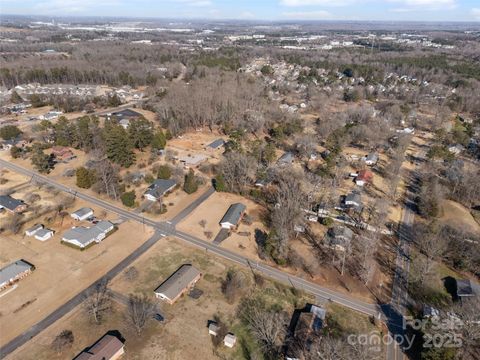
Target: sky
column 397, row 10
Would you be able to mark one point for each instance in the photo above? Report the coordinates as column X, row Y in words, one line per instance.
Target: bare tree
column 238, row 170
column 233, row 285
column 63, row 341
column 140, row 310
column 98, row 301
column 468, row 311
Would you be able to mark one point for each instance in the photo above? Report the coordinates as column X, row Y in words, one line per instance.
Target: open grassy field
column 184, row 333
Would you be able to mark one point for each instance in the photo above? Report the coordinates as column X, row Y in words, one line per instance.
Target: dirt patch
column 458, row 215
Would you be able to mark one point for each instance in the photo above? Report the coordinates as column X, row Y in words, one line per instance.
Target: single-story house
column 83, row 236
column 11, row 204
column 192, row 160
column 364, row 177
column 371, row 159
column 230, row 340
column 14, row 272
column 286, row 159
column 127, row 113
column 125, row 123
column 82, row 214
column 44, row 234
column 31, row 231
column 216, row 144
column 62, row 153
column 109, row 347
column 232, row 217
column 339, row 237
column 159, row 188
column 467, row 288
column 178, row 283
column 353, row 200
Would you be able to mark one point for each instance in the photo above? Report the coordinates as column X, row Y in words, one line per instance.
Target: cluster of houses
column 83, row 236
column 39, row 232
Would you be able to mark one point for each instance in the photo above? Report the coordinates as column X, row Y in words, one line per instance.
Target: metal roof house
column 364, row 177
column 14, row 272
column 159, row 188
column 84, row 236
column 232, row 216
column 82, row 214
column 127, row 113
column 178, row 283
column 109, row 347
column 11, row 204
column 353, row 199
column 216, row 144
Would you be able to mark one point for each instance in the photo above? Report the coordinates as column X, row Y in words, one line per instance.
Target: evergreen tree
column 140, row 132
column 65, row 132
column 9, row 132
column 118, row 145
column 85, row 128
column 159, row 141
column 128, row 198
column 190, row 185
column 219, row 183
column 40, row 160
column 164, row 172
column 85, row 178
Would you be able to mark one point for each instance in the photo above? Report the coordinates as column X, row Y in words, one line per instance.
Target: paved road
column 193, row 205
column 165, row 229
column 77, row 299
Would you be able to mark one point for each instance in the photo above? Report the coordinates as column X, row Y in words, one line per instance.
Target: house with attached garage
column 14, row 272
column 82, row 214
column 181, row 281
column 232, row 217
column 11, row 204
column 84, row 236
column 44, row 234
column 159, row 188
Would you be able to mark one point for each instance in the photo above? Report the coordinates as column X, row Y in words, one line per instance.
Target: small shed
column 43, row 234
column 31, row 231
column 82, row 214
column 230, row 340
column 213, row 328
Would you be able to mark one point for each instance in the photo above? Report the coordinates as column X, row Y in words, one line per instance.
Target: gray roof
column 34, row 228
column 42, row 232
column 216, row 144
column 178, row 281
column 85, row 235
column 372, row 157
column 466, row 287
column 340, row 235
column 159, row 187
column 127, row 113
column 286, row 158
column 9, row 202
column 82, row 211
column 11, row 271
column 233, row 214
column 354, row 197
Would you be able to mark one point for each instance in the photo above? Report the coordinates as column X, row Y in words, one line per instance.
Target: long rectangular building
column 14, row 272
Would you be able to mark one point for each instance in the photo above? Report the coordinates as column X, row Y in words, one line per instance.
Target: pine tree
column 128, row 198
column 190, row 185
column 118, row 146
column 219, row 183
column 140, row 132
column 9, row 132
column 15, row 98
column 85, row 178
column 159, row 141
column 40, row 160
column 164, row 172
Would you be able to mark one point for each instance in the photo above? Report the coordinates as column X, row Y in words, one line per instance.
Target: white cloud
column 197, row 3
column 68, row 6
column 308, row 15
column 411, row 5
column 298, row 3
column 476, row 13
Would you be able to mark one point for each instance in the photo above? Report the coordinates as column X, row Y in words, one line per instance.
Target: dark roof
column 372, row 157
column 354, row 197
column 466, row 287
column 233, row 214
column 10, row 203
column 159, row 187
column 178, row 281
column 216, row 144
column 103, row 349
column 127, row 113
column 340, row 235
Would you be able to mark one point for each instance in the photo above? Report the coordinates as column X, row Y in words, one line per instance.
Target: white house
column 82, row 214
column 233, row 216
column 83, row 236
column 31, row 231
column 43, row 234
